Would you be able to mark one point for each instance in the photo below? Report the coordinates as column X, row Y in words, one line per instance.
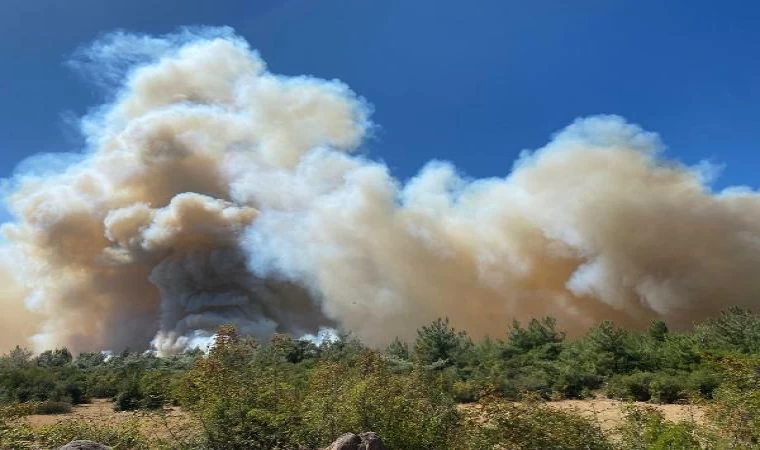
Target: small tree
column 398, row 349
column 440, row 344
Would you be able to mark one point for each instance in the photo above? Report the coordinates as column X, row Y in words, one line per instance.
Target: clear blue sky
column 473, row 82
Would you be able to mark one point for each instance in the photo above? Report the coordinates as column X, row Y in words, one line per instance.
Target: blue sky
column 470, row 82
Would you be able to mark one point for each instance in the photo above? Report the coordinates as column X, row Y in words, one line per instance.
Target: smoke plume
column 213, row 191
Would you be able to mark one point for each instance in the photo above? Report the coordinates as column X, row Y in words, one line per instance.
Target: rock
column 84, row 445
column 371, row 441
column 348, row 441
column 365, row 441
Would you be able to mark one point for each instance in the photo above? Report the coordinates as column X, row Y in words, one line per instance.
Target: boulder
column 348, row 441
column 364, row 441
column 84, row 445
column 371, row 441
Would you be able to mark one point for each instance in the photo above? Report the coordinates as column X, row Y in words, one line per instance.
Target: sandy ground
column 100, row 411
column 607, row 412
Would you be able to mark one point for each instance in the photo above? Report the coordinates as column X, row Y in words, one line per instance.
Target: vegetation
column 295, row 394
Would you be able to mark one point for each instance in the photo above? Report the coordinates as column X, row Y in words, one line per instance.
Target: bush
column 250, row 397
column 129, row 398
column 155, row 389
column 645, row 428
column 51, row 407
column 124, row 435
column 14, row 433
column 465, row 391
column 665, row 388
column 409, row 411
column 503, row 424
column 103, row 384
column 574, row 382
column 736, row 406
column 703, row 383
column 635, row 386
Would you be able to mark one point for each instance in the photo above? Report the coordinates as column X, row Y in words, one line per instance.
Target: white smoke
column 213, row 191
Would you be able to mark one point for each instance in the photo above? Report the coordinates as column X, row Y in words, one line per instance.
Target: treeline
column 289, row 393
column 654, row 365
column 56, row 379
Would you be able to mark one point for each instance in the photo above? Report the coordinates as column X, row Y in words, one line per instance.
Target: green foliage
column 123, row 435
column 645, row 428
column 736, row 405
column 52, row 408
column 531, row 426
column 635, row 386
column 248, row 396
column 657, row 331
column 409, row 411
column 540, row 334
column 440, row 344
column 293, row 393
column 398, row 350
column 734, row 330
column 14, row 432
column 129, row 397
column 54, row 358
column 669, row 388
column 90, row 360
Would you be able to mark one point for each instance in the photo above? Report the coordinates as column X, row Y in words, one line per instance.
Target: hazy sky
column 472, row 82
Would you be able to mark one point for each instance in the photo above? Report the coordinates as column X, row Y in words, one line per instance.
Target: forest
column 442, row 391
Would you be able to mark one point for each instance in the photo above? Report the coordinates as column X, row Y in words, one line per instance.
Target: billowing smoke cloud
column 214, row 191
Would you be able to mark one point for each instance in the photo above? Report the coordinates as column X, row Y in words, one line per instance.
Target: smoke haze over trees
column 213, row 191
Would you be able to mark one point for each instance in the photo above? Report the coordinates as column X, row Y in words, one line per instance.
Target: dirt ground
column 100, row 411
column 607, row 412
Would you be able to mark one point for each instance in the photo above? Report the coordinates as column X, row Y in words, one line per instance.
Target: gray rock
column 84, row 445
column 371, row 441
column 348, row 441
column 365, row 441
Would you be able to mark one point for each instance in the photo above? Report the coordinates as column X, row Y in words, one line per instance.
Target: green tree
column 440, row 344
column 736, row 329
column 54, row 358
column 398, row 349
column 538, row 333
column 658, row 330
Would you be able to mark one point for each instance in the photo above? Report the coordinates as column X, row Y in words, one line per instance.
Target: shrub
column 409, row 411
column 253, row 398
column 129, row 398
column 155, row 389
column 103, row 384
column 703, row 383
column 645, row 428
column 736, row 406
column 50, row 407
column 465, row 391
column 665, row 388
column 122, row 435
column 635, row 386
column 574, row 382
column 509, row 425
